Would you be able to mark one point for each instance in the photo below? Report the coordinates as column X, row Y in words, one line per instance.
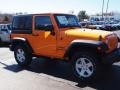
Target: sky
column 59, row 6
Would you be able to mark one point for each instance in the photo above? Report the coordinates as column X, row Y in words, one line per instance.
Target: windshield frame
column 67, row 26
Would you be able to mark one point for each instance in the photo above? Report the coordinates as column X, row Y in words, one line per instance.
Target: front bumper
column 112, row 57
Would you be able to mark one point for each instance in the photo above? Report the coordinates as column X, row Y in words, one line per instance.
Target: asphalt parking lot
column 43, row 75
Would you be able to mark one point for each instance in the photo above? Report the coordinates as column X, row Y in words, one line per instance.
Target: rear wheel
column 85, row 66
column 22, row 55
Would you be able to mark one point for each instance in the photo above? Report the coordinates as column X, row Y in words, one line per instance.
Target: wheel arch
column 85, row 45
column 17, row 41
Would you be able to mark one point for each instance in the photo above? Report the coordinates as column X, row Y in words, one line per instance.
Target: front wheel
column 85, row 66
column 22, row 55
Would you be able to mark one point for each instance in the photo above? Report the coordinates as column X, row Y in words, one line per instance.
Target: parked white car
column 5, row 31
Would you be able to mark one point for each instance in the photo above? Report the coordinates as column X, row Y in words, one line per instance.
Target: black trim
column 21, row 32
column 87, row 44
column 15, row 42
column 90, row 43
column 112, row 57
column 118, row 39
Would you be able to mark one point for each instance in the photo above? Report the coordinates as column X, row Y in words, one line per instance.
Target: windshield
column 67, row 20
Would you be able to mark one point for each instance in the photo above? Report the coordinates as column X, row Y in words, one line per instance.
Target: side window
column 22, row 23
column 18, row 23
column 2, row 26
column 9, row 27
column 43, row 23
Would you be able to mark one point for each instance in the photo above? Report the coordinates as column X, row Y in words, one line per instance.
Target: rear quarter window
column 22, row 24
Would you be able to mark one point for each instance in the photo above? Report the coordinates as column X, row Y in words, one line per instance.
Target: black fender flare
column 15, row 41
column 82, row 44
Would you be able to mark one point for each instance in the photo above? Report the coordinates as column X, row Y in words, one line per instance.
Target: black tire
column 89, row 59
column 22, row 59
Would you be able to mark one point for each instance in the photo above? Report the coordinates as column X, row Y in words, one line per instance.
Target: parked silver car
column 5, row 31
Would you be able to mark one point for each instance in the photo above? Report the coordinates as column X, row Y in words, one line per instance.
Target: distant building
column 106, row 16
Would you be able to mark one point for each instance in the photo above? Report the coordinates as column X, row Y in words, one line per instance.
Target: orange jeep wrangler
column 59, row 36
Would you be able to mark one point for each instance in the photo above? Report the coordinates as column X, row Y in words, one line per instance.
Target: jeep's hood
column 87, row 33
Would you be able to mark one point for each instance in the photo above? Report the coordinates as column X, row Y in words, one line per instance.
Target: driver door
column 43, row 41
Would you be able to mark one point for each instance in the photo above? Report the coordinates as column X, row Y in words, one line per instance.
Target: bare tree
column 82, row 15
column 6, row 18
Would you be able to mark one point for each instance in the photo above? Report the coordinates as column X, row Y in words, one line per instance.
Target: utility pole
column 107, row 6
column 102, row 8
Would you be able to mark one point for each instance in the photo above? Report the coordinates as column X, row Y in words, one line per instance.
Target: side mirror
column 50, row 28
column 53, row 32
